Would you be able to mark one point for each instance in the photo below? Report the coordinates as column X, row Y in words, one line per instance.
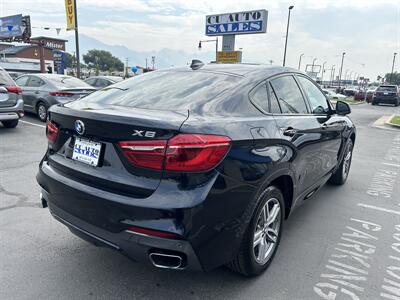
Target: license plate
column 86, row 151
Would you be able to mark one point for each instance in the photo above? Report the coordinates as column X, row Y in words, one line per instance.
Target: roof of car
column 242, row 69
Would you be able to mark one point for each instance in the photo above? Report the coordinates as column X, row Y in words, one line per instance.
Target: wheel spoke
column 262, row 249
column 272, row 235
column 273, row 214
column 257, row 238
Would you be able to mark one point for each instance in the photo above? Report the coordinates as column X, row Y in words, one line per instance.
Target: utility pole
column 341, row 68
column 391, row 73
column 78, row 64
column 301, row 55
column 146, row 63
column 332, row 74
column 126, row 67
column 287, row 33
column 153, row 61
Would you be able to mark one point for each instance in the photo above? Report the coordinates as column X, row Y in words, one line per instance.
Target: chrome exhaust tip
column 166, row 261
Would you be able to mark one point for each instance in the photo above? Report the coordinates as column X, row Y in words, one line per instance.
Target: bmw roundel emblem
column 79, row 127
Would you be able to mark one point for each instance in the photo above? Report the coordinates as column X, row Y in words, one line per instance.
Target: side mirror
column 342, row 108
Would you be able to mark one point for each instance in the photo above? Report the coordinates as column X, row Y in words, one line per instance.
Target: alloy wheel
column 267, row 231
column 42, row 112
column 347, row 162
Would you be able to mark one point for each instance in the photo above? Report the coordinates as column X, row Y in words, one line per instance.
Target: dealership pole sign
column 246, row 22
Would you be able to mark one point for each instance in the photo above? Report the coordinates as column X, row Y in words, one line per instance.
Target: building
column 25, row 58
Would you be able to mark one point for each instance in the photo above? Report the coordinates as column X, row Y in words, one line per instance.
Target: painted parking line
column 379, row 208
column 34, row 124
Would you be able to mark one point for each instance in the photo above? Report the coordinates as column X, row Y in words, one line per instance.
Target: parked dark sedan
column 100, row 82
column 193, row 168
column 388, row 94
column 40, row 91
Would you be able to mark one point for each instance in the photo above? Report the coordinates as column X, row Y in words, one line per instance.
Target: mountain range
column 164, row 58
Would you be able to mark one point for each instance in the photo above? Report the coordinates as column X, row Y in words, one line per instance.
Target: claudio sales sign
column 246, row 22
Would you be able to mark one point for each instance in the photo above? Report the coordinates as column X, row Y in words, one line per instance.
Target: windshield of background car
column 5, row 79
column 67, row 82
column 164, row 90
column 387, row 89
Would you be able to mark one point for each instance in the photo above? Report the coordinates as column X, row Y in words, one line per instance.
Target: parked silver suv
column 11, row 103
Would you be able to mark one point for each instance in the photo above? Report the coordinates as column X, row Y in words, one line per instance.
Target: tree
column 393, row 78
column 102, row 60
column 69, row 60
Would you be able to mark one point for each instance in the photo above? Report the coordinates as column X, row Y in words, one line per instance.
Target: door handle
column 36, row 92
column 289, row 131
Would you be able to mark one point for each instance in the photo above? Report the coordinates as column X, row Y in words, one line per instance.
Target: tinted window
column 35, row 81
column 383, row 88
column 273, row 100
column 289, row 96
column 22, row 81
column 67, row 82
column 90, row 81
column 259, row 97
column 318, row 102
column 164, row 90
column 102, row 83
column 5, row 78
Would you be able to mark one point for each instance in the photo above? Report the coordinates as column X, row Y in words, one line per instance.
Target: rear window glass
column 387, row 89
column 67, row 82
column 5, row 79
column 164, row 90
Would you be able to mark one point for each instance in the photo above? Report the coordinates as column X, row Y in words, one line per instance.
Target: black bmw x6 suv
column 193, row 168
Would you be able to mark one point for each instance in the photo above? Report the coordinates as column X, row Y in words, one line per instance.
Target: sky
column 368, row 31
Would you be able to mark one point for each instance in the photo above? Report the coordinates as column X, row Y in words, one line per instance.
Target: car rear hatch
column 101, row 130
column 10, row 91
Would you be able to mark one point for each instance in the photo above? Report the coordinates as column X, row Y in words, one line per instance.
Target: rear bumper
column 210, row 234
column 13, row 112
column 387, row 100
column 135, row 246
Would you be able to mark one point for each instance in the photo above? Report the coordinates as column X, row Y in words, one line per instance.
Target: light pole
column 287, row 33
column 216, row 46
column 394, row 59
column 323, row 70
column 341, row 68
column 301, row 55
column 351, row 72
column 313, row 63
column 332, row 74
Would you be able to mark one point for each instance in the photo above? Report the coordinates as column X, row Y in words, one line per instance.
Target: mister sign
column 246, row 22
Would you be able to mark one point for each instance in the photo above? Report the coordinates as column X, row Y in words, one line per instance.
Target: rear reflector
column 61, row 94
column 14, row 89
column 51, row 132
column 183, row 152
column 161, row 234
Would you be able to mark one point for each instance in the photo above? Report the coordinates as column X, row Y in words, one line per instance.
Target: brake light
column 184, row 152
column 61, row 94
column 51, row 132
column 162, row 234
column 14, row 89
column 195, row 152
column 146, row 154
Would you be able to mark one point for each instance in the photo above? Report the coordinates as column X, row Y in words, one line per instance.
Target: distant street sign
column 229, row 56
column 246, row 22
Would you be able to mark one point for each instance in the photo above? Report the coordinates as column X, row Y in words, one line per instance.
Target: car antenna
column 196, row 64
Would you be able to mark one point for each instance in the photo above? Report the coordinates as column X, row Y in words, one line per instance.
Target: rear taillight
column 146, row 154
column 14, row 89
column 51, row 132
column 61, row 94
column 184, row 152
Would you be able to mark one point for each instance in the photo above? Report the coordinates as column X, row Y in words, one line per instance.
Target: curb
column 392, row 124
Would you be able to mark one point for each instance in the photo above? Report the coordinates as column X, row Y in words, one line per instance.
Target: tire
column 41, row 111
column 342, row 172
column 10, row 123
column 249, row 261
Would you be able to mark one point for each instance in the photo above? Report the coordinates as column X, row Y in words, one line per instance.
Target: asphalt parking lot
column 344, row 243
